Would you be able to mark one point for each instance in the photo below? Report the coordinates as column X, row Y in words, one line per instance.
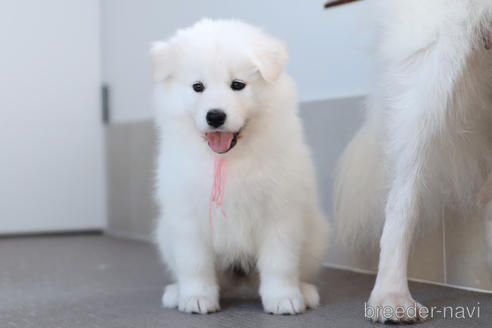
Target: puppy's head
column 216, row 74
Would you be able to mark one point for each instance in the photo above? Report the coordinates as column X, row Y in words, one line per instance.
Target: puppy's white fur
column 427, row 139
column 274, row 227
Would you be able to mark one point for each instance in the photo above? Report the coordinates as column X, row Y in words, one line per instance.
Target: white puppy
column 222, row 93
column 427, row 139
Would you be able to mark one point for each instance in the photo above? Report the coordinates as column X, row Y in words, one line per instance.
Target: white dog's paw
column 291, row 303
column 310, row 294
column 395, row 308
column 170, row 296
column 198, row 304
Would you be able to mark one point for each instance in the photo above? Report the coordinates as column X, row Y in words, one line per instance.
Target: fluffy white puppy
column 427, row 139
column 222, row 93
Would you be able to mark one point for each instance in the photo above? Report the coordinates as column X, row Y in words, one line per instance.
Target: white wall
column 52, row 170
column 329, row 49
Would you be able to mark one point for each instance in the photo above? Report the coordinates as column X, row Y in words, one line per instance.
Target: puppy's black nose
column 216, row 117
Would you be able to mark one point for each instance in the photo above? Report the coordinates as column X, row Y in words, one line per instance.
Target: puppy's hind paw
column 170, row 296
column 310, row 294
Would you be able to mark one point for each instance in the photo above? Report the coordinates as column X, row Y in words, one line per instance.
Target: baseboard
column 369, row 272
column 129, row 235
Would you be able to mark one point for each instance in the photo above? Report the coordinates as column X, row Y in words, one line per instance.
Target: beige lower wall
column 452, row 253
column 130, row 157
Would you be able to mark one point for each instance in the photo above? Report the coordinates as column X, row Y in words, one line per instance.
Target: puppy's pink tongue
column 220, row 142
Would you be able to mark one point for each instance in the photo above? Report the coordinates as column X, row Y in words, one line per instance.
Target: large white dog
column 427, row 139
column 227, row 115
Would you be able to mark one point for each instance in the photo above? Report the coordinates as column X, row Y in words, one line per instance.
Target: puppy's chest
column 248, row 189
column 235, row 243
column 246, row 200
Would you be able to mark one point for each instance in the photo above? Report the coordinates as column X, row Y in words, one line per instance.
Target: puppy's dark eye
column 198, row 87
column 237, row 85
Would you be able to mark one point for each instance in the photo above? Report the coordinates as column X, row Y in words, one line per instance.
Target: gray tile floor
column 97, row 281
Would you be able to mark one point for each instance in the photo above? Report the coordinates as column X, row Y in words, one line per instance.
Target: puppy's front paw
column 284, row 303
column 394, row 308
column 292, row 304
column 198, row 304
column 189, row 303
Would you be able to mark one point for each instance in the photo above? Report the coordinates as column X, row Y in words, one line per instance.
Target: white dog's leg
column 419, row 89
column 485, row 202
column 391, row 288
column 192, row 260
column 488, row 226
column 278, row 264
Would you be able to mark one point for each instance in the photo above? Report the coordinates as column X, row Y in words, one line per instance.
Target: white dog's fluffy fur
column 427, row 139
column 274, row 232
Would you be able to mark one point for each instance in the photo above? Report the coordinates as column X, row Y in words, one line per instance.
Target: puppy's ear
column 270, row 56
column 162, row 56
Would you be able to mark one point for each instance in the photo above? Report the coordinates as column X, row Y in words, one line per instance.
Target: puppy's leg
column 278, row 264
column 420, row 89
column 313, row 252
column 191, row 258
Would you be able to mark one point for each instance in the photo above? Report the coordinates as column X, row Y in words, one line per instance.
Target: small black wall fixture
column 105, row 103
column 338, row 3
